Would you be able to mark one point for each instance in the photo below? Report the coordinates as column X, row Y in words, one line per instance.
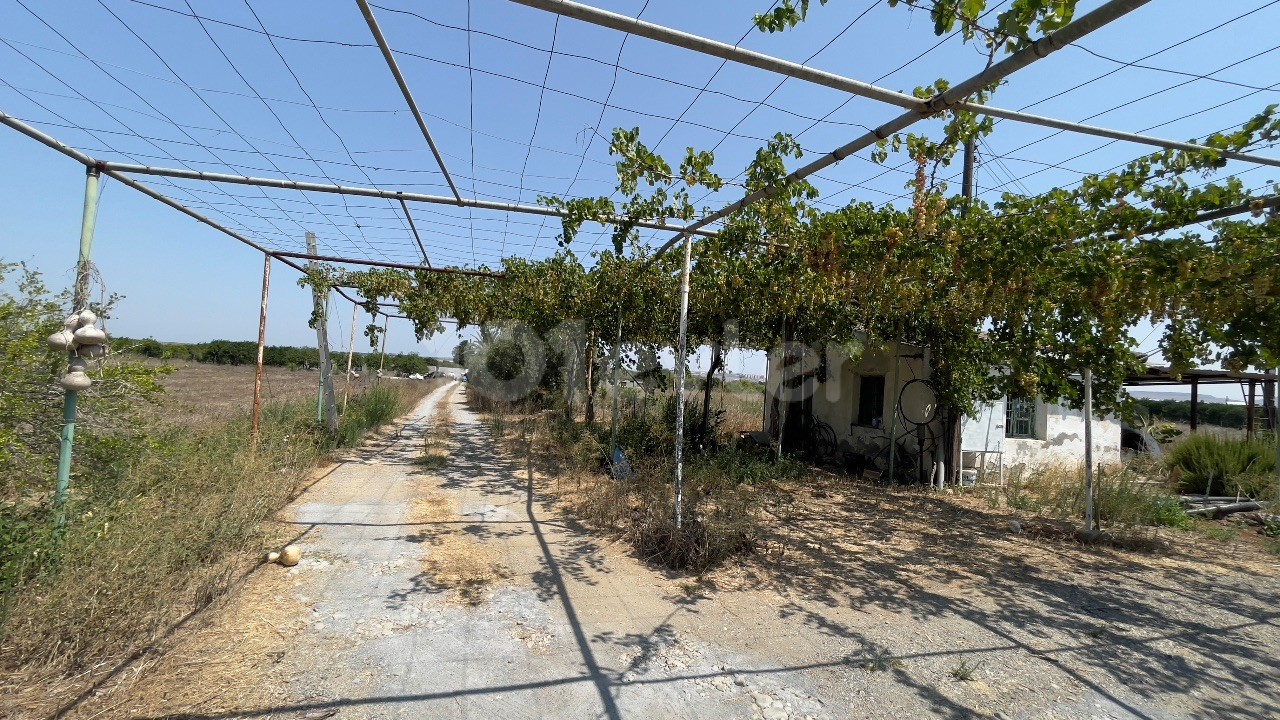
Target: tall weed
column 1121, row 497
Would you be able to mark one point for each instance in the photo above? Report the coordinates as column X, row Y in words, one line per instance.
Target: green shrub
column 1222, row 466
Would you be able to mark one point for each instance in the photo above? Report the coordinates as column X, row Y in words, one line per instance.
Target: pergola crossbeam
column 117, row 174
column 917, row 109
column 404, row 90
column 365, row 192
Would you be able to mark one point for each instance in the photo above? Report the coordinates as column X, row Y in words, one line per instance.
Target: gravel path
column 456, row 593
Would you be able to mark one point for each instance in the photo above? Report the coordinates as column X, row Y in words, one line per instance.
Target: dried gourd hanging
column 76, row 379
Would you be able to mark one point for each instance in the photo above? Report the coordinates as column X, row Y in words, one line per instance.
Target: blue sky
column 203, row 85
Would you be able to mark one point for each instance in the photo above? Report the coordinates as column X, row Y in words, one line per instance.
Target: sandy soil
column 458, row 592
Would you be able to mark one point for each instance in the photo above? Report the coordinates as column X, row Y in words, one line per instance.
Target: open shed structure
column 349, row 119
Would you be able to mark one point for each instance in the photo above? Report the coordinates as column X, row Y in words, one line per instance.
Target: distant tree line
column 1179, row 411
column 235, row 352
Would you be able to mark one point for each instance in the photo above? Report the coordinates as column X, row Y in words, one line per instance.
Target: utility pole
column 327, row 406
column 262, row 339
column 80, row 303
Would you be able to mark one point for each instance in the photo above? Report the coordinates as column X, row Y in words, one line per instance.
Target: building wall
column 1062, row 439
column 1059, row 437
column 1059, row 430
column 836, row 400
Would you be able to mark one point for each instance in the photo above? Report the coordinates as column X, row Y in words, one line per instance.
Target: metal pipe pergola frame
column 916, row 110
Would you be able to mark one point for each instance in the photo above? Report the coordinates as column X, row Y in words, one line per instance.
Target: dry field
column 198, row 392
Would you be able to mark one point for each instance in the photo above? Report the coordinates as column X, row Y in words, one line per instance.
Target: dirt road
column 455, row 593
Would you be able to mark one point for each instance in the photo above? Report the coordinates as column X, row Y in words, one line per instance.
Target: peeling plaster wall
column 1062, row 430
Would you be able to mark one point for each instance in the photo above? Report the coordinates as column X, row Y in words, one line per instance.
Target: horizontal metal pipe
column 124, row 179
column 917, row 109
column 383, row 263
column 725, row 51
column 364, row 192
column 88, row 161
column 149, row 192
column 1137, row 138
column 45, row 139
column 404, row 90
column 953, row 97
column 1267, row 203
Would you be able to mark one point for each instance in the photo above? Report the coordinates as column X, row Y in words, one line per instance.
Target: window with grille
column 1020, row 418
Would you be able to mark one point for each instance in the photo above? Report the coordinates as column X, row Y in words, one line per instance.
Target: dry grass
column 435, row 451
column 153, row 544
column 764, row 516
column 457, row 564
column 743, row 411
column 723, row 492
column 234, row 660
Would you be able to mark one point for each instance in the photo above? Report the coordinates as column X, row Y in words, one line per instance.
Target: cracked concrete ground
column 567, row 625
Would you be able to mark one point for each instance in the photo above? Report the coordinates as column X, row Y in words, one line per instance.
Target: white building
column 845, row 408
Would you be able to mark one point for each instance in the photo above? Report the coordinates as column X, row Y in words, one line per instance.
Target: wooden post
column 351, row 348
column 262, row 338
column 382, row 359
column 1248, row 410
column 1269, row 402
column 1195, row 403
column 328, row 404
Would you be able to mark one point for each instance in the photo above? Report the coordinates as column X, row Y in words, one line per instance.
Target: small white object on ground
column 290, row 555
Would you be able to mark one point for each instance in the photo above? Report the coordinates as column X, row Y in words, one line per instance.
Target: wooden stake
column 262, row 338
column 383, row 357
column 328, row 407
column 351, row 348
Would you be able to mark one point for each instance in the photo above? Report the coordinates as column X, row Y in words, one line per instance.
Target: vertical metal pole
column 613, row 424
column 80, row 302
column 681, row 361
column 893, row 422
column 1275, row 437
column 1088, row 450
column 784, row 401
column 967, row 186
column 351, row 349
column 262, row 339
